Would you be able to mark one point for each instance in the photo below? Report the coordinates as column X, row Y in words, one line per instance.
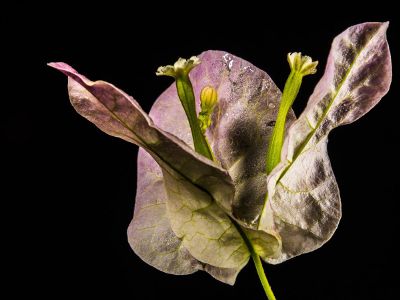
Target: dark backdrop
column 71, row 188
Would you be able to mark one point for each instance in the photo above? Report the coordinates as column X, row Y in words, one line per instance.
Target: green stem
column 257, row 261
column 292, row 87
column 261, row 275
column 186, row 95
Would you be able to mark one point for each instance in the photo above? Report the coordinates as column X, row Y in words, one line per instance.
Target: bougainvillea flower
column 192, row 213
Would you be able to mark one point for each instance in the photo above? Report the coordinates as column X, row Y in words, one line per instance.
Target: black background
column 69, row 189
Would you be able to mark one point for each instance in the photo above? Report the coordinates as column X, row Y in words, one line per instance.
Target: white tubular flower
column 302, row 64
column 181, row 67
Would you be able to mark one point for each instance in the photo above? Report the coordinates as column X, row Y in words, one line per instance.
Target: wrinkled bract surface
column 186, row 204
column 248, row 102
column 302, row 192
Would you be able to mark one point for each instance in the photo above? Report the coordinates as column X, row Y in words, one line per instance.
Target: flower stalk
column 180, row 71
column 300, row 66
column 257, row 263
column 261, row 274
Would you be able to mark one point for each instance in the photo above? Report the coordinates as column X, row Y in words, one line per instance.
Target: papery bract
column 191, row 213
column 303, row 197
